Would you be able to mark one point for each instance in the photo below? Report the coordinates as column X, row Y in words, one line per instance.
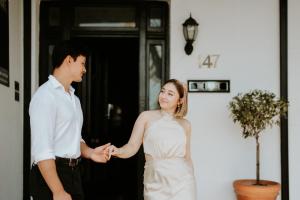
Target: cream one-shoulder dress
column 167, row 175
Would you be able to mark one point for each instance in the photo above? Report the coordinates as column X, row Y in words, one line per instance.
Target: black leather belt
column 71, row 162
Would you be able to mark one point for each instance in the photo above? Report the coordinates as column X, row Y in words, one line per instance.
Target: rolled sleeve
column 43, row 156
column 42, row 113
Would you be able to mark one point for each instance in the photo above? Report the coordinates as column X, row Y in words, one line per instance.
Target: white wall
column 11, row 112
column 294, row 97
column 246, row 36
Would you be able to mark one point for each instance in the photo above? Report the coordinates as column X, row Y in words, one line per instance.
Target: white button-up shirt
column 56, row 122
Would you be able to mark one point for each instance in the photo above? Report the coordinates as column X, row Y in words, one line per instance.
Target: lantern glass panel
column 185, row 34
column 190, row 32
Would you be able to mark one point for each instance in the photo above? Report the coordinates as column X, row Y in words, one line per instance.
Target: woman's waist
column 173, row 158
column 167, row 166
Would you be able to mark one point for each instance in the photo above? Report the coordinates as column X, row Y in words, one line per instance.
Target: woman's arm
column 188, row 129
column 135, row 141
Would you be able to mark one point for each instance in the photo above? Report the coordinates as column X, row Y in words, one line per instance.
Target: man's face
column 77, row 68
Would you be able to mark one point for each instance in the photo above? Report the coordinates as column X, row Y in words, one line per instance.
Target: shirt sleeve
column 42, row 113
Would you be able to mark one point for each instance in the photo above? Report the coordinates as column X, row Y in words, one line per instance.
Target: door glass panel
column 110, row 17
column 155, row 63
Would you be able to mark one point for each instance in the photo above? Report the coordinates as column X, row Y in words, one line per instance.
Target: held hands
column 103, row 153
column 100, row 154
column 114, row 151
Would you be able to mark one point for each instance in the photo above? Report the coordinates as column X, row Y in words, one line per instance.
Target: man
column 56, row 121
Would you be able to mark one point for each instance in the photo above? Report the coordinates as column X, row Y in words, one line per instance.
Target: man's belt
column 71, row 162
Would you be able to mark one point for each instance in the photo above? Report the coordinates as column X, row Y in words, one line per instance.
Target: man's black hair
column 67, row 48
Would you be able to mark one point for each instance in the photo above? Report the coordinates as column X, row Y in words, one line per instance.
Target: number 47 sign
column 209, row 61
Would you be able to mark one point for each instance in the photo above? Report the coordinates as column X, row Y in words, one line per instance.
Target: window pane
column 105, row 17
column 155, row 18
column 155, row 74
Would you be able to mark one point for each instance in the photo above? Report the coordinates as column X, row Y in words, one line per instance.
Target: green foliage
column 256, row 110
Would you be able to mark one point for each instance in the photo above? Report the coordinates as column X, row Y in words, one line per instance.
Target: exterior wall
column 294, row 97
column 246, row 36
column 11, row 112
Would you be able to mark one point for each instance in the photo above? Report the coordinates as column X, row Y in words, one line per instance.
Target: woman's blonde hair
column 182, row 107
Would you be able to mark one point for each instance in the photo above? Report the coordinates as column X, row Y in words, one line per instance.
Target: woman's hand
column 114, row 151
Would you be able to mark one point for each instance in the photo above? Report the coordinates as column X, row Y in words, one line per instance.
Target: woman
column 165, row 135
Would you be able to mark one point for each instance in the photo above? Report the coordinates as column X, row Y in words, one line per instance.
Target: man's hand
column 61, row 196
column 100, row 154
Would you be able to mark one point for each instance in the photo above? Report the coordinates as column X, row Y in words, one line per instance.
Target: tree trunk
column 257, row 159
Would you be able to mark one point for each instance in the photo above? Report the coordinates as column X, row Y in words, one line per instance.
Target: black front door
column 110, row 104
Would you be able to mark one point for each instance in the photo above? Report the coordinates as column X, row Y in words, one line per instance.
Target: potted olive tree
column 255, row 111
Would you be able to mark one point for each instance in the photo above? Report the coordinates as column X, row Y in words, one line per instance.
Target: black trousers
column 69, row 176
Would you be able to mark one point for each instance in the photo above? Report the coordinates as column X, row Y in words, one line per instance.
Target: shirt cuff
column 43, row 156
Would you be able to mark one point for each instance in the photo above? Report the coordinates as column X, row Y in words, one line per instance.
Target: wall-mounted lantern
column 190, row 31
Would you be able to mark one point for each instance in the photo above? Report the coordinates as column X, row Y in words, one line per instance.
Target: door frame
column 27, row 96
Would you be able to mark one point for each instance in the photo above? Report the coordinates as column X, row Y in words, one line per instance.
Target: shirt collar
column 56, row 84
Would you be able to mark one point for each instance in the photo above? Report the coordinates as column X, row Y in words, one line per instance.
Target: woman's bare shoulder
column 185, row 124
column 149, row 114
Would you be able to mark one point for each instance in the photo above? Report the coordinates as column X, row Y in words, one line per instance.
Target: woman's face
column 168, row 97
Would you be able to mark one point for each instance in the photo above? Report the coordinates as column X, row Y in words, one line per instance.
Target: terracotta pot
column 246, row 190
